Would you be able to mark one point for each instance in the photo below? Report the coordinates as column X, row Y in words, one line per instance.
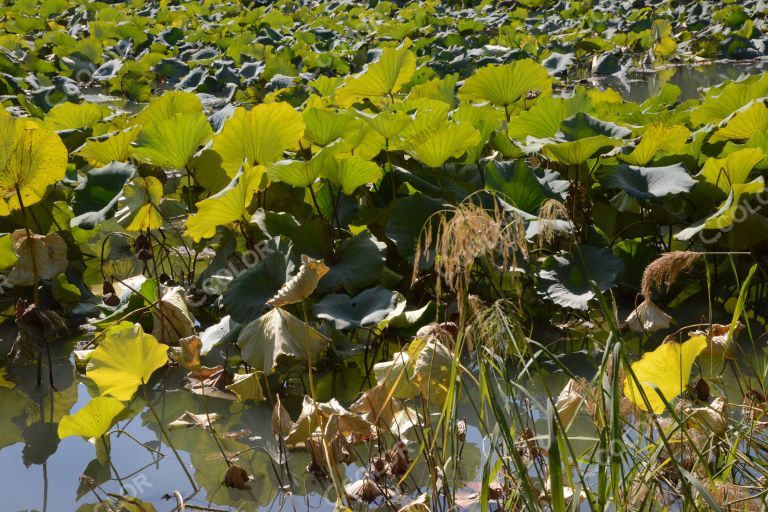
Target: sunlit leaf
column 744, row 123
column 393, row 69
column 39, row 257
column 657, row 138
column 93, row 420
column 112, row 147
column 300, row 286
column 125, row 358
column 433, row 148
column 167, row 105
column 71, row 116
column 258, row 136
column 227, row 206
column 505, row 84
column 247, row 387
column 138, row 207
column 31, row 159
column 171, row 142
column 667, row 368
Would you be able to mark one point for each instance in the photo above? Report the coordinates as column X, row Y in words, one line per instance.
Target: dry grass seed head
column 550, row 212
column 665, row 269
column 466, row 232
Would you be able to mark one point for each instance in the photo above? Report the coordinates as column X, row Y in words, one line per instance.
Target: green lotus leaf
column 541, row 121
column 505, row 84
column 277, row 338
column 521, row 186
column 434, row 147
column 565, row 279
column 578, row 152
column 249, row 292
column 227, row 206
column 72, row 116
column 380, row 79
column 258, row 136
column 164, row 107
column 407, row 219
column 124, row 359
column 8, row 256
column 297, row 173
column 646, row 183
column 349, row 172
column 108, row 148
column 389, row 123
column 325, row 126
column 95, row 199
column 358, row 263
column 366, row 309
column 657, row 138
column 722, row 102
column 744, row 123
column 93, row 420
column 170, row 143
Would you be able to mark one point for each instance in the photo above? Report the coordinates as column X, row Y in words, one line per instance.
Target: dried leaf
column 190, row 352
column 246, row 386
column 648, row 318
column 172, row 319
column 189, row 419
column 237, row 477
column 363, row 490
column 300, row 286
column 281, row 420
column 40, row 257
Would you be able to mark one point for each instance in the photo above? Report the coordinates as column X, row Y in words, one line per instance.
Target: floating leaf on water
column 668, row 368
column 210, row 382
column 93, row 420
column 124, row 359
column 189, row 419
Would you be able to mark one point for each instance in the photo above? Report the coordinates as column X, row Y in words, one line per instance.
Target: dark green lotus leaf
column 366, row 309
column 645, row 183
column 95, row 199
column 407, row 220
column 523, row 187
column 581, row 126
column 249, row 292
column 358, row 262
column 565, row 279
column 558, row 62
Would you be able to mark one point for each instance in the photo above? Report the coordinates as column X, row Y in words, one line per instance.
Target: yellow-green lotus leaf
column 579, row 151
column 227, row 206
column 434, row 147
column 31, row 159
column 166, row 106
column 93, row 420
column 108, row 148
column 744, row 123
column 389, row 123
column 259, row 136
column 381, row 79
column 506, row 84
column 732, row 170
column 172, row 142
column 296, row 173
column 71, row 116
column 657, row 137
column 350, row 172
column 668, row 368
column 7, row 252
column 722, row 102
column 124, row 359
column 138, row 208
column 324, row 126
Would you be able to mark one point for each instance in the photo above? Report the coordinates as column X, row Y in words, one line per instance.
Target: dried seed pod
column 364, row 490
column 237, row 477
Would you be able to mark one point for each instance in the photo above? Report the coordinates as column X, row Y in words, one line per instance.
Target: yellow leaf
column 668, row 368
column 108, row 148
column 246, row 387
column 300, row 286
column 31, row 158
column 138, row 207
column 259, row 136
column 93, row 420
column 227, row 206
column 124, row 359
column 385, row 77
